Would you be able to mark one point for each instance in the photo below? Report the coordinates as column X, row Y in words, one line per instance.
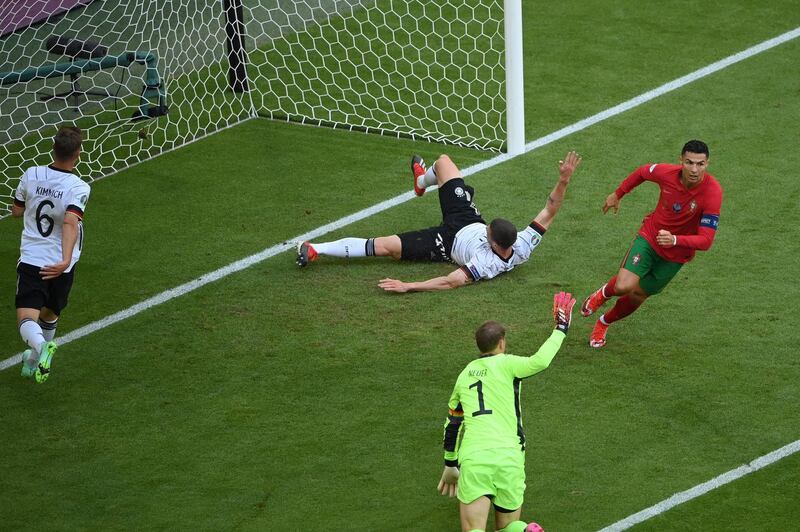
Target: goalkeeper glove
column 562, row 310
column 448, row 485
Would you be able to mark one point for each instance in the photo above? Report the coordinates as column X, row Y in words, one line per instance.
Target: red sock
column 624, row 306
column 610, row 288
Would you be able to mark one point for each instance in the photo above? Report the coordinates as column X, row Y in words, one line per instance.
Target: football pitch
column 274, row 398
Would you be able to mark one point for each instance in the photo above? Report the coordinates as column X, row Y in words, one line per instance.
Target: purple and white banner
column 18, row 14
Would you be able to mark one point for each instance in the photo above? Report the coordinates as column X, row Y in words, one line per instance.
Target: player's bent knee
column 389, row 246
column 446, row 170
column 625, row 288
column 639, row 295
column 48, row 315
column 27, row 314
column 627, row 284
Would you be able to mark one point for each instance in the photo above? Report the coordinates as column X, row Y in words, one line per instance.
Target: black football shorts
column 435, row 243
column 34, row 292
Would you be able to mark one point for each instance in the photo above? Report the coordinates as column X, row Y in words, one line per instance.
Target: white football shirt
column 47, row 194
column 472, row 251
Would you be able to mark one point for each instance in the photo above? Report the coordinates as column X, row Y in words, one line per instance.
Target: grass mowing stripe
column 664, row 89
column 192, row 141
column 220, row 273
column 705, row 487
column 402, row 198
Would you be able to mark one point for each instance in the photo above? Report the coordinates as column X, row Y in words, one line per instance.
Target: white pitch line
column 216, row 275
column 705, row 487
column 402, row 198
column 664, row 89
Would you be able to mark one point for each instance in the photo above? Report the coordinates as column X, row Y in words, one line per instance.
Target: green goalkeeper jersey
column 486, row 398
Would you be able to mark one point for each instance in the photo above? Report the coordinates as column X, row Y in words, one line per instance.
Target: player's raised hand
column 448, row 485
column 393, row 285
column 562, row 310
column 612, row 202
column 567, row 166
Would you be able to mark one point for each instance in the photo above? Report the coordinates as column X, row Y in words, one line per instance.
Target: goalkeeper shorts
column 495, row 473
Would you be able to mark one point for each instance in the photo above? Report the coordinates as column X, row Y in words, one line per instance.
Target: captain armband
column 710, row 220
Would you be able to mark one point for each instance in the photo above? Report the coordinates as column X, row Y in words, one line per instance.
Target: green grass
column 285, row 399
column 760, row 501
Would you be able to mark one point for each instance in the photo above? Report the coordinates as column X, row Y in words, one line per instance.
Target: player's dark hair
column 695, row 146
column 67, row 142
column 488, row 335
column 503, row 232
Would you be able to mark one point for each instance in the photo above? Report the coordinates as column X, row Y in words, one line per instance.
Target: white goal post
column 515, row 85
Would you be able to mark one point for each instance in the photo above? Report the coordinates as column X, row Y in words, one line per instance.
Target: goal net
column 416, row 68
column 147, row 76
column 99, row 63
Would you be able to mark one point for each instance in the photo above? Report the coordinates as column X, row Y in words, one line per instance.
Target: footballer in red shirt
column 684, row 221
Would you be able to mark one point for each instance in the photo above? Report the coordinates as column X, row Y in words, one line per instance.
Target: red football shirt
column 692, row 214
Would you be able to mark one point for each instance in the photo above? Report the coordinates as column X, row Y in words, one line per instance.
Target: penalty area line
column 241, row 264
column 705, row 487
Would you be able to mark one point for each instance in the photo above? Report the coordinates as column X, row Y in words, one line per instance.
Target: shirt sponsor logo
column 439, row 241
column 709, row 220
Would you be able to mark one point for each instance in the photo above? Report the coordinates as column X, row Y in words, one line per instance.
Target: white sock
column 48, row 329
column 32, row 335
column 347, row 247
column 429, row 177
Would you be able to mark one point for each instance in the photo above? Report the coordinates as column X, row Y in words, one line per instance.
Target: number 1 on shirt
column 479, row 385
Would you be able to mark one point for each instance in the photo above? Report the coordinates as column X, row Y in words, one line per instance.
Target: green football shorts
column 497, row 473
column 653, row 271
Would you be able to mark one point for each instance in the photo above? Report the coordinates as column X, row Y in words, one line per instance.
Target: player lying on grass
column 51, row 199
column 484, row 443
column 685, row 220
column 482, row 251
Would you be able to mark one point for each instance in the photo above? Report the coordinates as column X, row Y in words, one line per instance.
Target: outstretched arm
column 453, row 280
column 636, row 178
column 556, row 197
column 539, row 361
